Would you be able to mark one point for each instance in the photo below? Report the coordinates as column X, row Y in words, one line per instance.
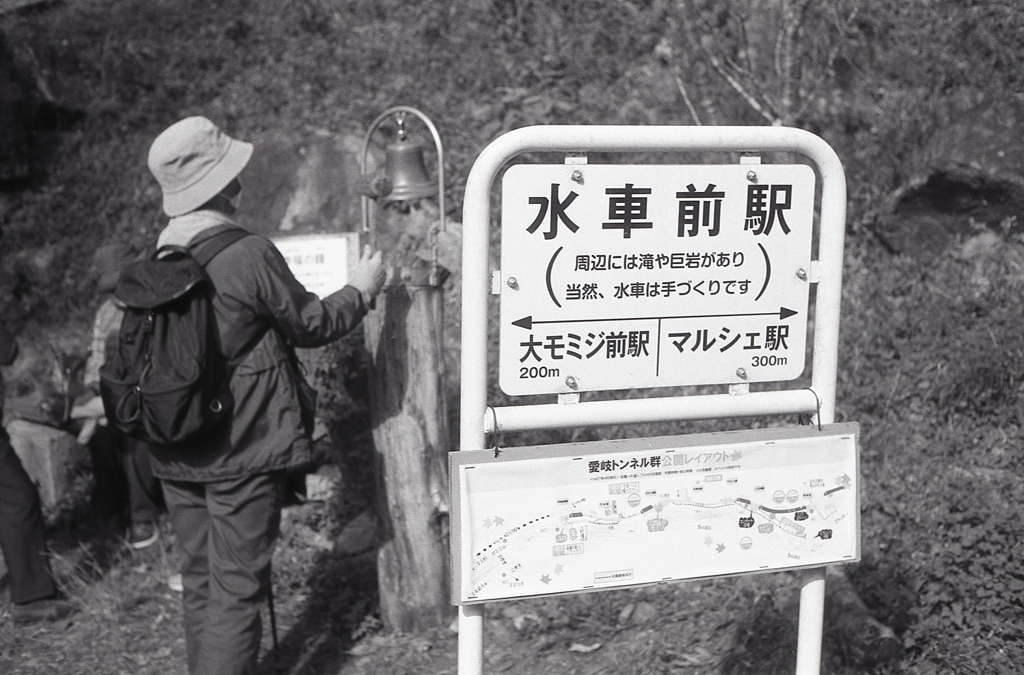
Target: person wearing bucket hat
column 193, row 161
column 224, row 492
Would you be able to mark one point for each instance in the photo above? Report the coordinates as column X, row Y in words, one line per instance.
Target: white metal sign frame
column 477, row 419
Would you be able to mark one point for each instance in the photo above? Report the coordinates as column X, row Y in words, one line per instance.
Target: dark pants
column 124, row 481
column 22, row 537
column 145, row 496
column 226, row 531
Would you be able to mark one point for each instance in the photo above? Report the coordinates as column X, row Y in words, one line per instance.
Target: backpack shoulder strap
column 206, row 245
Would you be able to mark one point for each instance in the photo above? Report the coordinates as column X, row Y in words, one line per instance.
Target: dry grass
column 127, row 618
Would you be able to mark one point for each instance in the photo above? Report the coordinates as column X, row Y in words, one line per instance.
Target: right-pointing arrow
column 527, row 321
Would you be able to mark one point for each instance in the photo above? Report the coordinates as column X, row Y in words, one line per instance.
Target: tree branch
column 785, row 57
column 761, row 108
column 686, row 99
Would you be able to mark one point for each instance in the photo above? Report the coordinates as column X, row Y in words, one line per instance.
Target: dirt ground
column 129, row 621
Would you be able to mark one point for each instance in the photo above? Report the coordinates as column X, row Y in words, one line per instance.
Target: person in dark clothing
column 224, row 492
column 22, row 537
column 124, row 479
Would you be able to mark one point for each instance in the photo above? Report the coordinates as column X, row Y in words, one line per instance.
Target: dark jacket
column 262, row 312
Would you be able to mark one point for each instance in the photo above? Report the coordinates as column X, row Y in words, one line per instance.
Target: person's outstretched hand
column 369, row 275
column 92, row 414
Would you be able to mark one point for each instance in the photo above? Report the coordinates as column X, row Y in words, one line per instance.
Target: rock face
column 969, row 178
column 50, row 457
column 310, row 184
column 15, row 101
column 304, row 184
column 36, row 100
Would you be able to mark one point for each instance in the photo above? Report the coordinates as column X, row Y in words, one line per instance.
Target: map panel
column 570, row 518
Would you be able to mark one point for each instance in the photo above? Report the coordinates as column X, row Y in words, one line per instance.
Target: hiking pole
column 273, row 617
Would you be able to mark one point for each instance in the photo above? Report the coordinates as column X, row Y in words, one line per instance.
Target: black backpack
column 167, row 380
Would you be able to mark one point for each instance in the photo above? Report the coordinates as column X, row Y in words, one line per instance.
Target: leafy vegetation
column 932, row 353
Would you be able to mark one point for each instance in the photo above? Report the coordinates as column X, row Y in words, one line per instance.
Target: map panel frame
column 811, row 521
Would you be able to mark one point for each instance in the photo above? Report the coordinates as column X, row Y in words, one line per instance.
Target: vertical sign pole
column 471, row 640
column 473, row 391
column 810, row 628
column 832, row 234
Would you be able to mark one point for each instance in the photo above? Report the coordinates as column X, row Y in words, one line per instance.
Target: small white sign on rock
column 321, row 262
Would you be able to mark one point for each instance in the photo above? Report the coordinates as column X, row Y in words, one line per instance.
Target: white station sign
column 623, row 276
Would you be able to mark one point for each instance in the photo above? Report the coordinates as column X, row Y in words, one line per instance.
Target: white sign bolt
column 801, row 274
column 741, row 373
column 751, row 176
column 571, row 382
column 512, row 283
column 577, row 176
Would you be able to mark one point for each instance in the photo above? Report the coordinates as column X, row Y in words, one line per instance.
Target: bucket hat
column 193, row 160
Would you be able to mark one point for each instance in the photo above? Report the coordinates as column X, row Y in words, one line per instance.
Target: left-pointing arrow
column 526, row 322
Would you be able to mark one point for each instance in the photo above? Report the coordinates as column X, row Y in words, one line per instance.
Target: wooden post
column 410, row 431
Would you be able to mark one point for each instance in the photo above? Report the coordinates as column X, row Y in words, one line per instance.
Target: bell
column 404, row 165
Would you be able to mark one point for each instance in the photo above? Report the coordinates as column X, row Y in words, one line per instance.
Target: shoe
column 174, row 583
column 47, row 609
column 143, row 535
